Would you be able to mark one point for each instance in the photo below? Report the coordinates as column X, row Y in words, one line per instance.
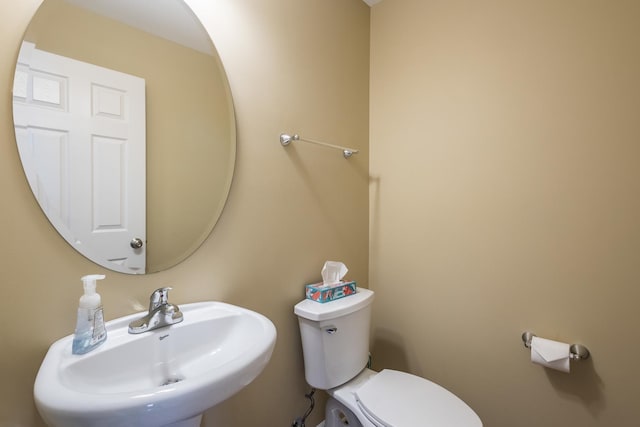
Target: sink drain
column 171, row 381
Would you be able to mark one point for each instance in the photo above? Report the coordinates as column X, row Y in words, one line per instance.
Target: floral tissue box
column 325, row 293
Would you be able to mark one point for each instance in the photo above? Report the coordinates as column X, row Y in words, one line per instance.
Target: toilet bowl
column 335, row 340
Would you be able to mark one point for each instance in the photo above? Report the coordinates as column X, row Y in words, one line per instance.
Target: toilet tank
column 335, row 338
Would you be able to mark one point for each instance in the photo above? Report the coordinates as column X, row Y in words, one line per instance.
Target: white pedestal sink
column 165, row 377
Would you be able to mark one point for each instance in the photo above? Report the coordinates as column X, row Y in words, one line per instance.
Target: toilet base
column 342, row 406
column 338, row 415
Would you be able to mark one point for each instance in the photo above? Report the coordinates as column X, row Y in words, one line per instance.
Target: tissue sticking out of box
column 333, row 272
column 332, row 286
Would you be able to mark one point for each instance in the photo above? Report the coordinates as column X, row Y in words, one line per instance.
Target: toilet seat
column 397, row 399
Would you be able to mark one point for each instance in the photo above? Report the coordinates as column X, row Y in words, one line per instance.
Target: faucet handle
column 158, row 297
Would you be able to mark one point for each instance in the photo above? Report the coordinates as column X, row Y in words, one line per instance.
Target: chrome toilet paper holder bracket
column 576, row 351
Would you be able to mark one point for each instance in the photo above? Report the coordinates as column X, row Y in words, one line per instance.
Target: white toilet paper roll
column 552, row 354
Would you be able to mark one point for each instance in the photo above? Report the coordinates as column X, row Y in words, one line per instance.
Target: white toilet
column 335, row 342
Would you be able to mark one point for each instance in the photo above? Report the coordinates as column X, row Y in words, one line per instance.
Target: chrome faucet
column 161, row 313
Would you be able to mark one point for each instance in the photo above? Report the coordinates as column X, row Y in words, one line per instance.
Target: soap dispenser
column 90, row 331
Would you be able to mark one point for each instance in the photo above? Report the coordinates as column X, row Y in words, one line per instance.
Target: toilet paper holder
column 576, row 351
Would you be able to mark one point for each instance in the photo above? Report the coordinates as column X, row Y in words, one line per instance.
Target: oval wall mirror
column 125, row 128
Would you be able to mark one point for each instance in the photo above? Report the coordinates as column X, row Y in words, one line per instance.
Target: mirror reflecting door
column 133, row 178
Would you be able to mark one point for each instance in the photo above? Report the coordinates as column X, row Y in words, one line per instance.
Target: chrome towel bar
column 286, row 139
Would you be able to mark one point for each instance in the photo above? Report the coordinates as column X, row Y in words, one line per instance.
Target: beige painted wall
column 505, row 197
column 293, row 66
column 188, row 121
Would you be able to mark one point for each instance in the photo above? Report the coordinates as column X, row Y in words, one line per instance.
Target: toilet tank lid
column 313, row 310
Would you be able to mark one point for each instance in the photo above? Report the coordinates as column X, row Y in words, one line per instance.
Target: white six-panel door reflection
column 80, row 130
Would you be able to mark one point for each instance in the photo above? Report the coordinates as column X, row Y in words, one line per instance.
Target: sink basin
column 165, row 377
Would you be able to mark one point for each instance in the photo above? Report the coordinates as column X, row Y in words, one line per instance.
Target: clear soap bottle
column 90, row 330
